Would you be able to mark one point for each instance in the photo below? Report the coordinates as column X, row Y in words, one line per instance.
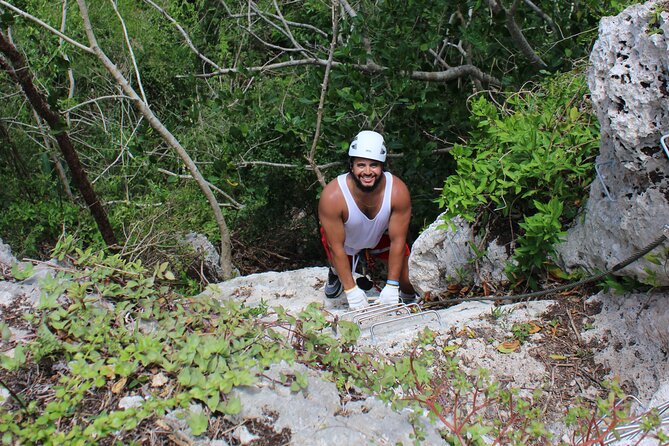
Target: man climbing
column 366, row 208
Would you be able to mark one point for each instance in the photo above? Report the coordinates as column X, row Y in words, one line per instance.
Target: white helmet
column 368, row 144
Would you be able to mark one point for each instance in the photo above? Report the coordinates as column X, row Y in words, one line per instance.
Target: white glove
column 390, row 294
column 356, row 298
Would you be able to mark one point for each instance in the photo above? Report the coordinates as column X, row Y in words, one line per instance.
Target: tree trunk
column 18, row 71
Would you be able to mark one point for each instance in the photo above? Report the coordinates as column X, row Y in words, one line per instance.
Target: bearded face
column 366, row 173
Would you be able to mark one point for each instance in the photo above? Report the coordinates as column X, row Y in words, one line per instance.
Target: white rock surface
column 442, row 255
column 630, row 93
column 6, row 257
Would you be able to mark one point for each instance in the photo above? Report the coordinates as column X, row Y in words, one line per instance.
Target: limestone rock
column 6, row 257
column 316, row 416
column 637, row 324
column 629, row 207
column 442, row 255
column 207, row 255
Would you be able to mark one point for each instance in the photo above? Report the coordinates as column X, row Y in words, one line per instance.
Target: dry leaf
column 508, row 346
column 450, row 348
column 534, row 328
column 161, row 424
column 158, row 380
column 453, row 288
column 466, row 331
column 557, row 357
column 119, row 385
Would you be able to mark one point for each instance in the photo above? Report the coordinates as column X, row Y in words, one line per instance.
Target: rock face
column 440, row 256
column 629, row 207
column 6, row 257
column 637, row 324
column 207, row 254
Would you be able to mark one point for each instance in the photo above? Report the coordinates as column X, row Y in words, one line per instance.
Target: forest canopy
column 130, row 123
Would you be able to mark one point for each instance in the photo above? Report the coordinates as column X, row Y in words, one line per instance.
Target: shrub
column 526, row 166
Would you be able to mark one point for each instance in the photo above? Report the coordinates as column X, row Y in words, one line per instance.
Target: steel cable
column 633, row 258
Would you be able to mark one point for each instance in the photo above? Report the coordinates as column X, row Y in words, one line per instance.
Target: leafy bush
column 526, row 166
column 107, row 327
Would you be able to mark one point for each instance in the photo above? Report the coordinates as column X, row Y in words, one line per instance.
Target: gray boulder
column 442, row 255
column 6, row 257
column 209, row 261
column 629, row 207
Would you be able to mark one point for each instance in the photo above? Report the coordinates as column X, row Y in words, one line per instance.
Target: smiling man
column 366, row 209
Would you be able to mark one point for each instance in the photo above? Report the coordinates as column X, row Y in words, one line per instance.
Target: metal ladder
column 380, row 315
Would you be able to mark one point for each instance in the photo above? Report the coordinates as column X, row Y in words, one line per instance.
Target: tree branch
column 43, row 24
column 234, row 203
column 172, row 142
column 545, row 17
column 18, row 70
column 515, row 32
column 130, row 50
column 286, row 166
column 311, row 158
column 432, row 76
column 95, row 100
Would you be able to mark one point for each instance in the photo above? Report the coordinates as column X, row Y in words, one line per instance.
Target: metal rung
column 380, row 312
column 404, row 318
column 601, row 178
column 664, row 145
column 633, row 429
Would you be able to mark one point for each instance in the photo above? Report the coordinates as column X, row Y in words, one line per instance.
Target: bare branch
column 43, row 24
column 271, row 45
column 286, row 166
column 112, row 96
column 349, row 10
column 70, row 72
column 311, row 158
column 432, row 76
column 285, row 30
column 185, row 35
column 289, row 22
column 545, row 17
column 130, row 50
column 515, row 32
column 233, row 203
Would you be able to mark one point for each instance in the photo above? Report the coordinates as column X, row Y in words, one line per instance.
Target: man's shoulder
column 332, row 191
column 333, row 184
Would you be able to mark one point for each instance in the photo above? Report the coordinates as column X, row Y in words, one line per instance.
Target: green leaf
column 198, row 422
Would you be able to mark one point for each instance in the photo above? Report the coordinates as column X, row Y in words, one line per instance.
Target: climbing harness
column 657, row 242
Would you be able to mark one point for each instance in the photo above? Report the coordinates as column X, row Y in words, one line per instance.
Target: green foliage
column 121, row 329
column 541, row 231
column 527, row 165
column 29, row 226
column 655, row 21
column 620, row 284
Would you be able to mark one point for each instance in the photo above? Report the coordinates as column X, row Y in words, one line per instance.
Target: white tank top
column 362, row 232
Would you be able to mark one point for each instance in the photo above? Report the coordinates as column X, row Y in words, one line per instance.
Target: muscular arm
column 331, row 209
column 400, row 215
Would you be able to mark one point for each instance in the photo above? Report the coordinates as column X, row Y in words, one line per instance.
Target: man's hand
column 390, row 294
column 356, row 298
